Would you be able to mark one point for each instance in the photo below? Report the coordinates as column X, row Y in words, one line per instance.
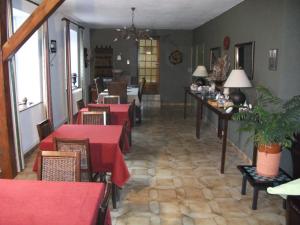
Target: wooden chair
column 44, row 129
column 104, row 205
column 80, row 104
column 118, row 88
column 141, row 89
column 77, row 145
column 98, row 118
column 58, row 166
column 99, row 84
column 101, row 109
column 111, row 99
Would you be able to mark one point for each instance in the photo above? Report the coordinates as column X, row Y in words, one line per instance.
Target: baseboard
column 174, row 104
column 29, row 152
column 236, row 148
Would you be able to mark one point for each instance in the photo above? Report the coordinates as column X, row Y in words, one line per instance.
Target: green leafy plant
column 271, row 120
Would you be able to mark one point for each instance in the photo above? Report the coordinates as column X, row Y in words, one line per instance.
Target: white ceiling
column 155, row 14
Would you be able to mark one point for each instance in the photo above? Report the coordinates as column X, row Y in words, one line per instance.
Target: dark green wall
column 271, row 24
column 172, row 77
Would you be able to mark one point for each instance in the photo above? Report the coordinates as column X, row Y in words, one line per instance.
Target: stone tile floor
column 175, row 178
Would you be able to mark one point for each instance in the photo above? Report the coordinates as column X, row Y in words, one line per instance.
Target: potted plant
column 273, row 124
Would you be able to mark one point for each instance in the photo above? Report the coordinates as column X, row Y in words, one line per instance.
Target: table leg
column 254, row 155
column 185, row 100
column 219, row 127
column 224, row 144
column 255, row 197
column 244, row 184
column 114, row 195
column 198, row 118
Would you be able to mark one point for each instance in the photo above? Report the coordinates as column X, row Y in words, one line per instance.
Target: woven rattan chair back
column 80, row 104
column 111, row 99
column 101, row 109
column 118, row 88
column 58, row 166
column 44, row 129
column 97, row 118
column 77, row 145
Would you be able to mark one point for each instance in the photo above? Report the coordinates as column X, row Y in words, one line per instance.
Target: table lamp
column 200, row 73
column 237, row 79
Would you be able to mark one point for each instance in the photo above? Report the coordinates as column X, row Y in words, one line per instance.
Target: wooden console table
column 223, row 118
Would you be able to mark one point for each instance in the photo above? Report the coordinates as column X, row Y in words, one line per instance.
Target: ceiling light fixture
column 132, row 33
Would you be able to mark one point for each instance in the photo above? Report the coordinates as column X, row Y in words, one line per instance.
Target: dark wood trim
column 7, row 153
column 75, row 23
column 32, row 23
column 33, row 2
column 68, row 72
column 31, row 151
column 47, row 70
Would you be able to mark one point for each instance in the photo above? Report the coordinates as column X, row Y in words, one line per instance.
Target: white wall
column 58, row 81
column 27, row 124
column 57, row 70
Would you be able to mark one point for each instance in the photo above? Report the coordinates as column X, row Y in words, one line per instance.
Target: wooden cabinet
column 103, row 61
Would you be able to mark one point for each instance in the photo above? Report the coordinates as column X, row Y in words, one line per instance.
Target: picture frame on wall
column 273, row 59
column 214, row 54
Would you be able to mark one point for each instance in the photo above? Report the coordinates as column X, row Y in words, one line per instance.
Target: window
column 74, row 58
column 28, row 62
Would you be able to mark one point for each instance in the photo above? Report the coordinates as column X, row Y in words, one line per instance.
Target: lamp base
column 237, row 97
column 200, row 81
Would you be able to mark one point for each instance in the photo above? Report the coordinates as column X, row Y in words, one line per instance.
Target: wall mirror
column 244, row 58
column 214, row 54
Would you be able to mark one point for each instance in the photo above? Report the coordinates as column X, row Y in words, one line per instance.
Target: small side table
column 260, row 182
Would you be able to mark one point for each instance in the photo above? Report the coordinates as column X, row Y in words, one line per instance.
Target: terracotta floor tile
column 176, row 180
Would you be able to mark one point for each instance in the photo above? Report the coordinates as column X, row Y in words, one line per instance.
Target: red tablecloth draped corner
column 105, row 152
column 49, row 203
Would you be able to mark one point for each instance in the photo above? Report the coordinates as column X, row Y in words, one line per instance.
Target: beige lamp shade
column 200, row 71
column 237, row 79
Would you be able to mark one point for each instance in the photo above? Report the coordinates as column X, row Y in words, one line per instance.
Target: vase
column 268, row 160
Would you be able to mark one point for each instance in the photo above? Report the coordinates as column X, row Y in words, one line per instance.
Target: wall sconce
column 53, row 46
column 119, row 57
column 128, row 61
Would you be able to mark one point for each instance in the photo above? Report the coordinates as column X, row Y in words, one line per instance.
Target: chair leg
column 244, row 184
column 114, row 195
column 255, row 197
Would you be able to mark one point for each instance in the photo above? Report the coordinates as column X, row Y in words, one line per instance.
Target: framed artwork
column 214, row 54
column 273, row 58
column 175, row 57
column 244, row 57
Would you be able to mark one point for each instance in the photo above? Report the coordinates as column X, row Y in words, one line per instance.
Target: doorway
column 148, row 65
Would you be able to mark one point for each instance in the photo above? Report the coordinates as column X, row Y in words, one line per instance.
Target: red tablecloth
column 106, row 155
column 119, row 113
column 50, row 203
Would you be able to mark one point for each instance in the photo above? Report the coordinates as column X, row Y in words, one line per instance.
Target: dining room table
column 132, row 95
column 105, row 152
column 119, row 113
column 24, row 202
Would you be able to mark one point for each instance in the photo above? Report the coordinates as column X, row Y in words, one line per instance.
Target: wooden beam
column 7, row 153
column 32, row 23
column 8, row 48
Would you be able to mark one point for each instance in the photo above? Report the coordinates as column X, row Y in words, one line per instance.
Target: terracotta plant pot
column 268, row 160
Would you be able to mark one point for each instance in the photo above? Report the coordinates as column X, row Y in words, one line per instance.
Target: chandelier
column 132, row 33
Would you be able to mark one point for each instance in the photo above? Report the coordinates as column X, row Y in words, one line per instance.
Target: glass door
column 149, row 65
